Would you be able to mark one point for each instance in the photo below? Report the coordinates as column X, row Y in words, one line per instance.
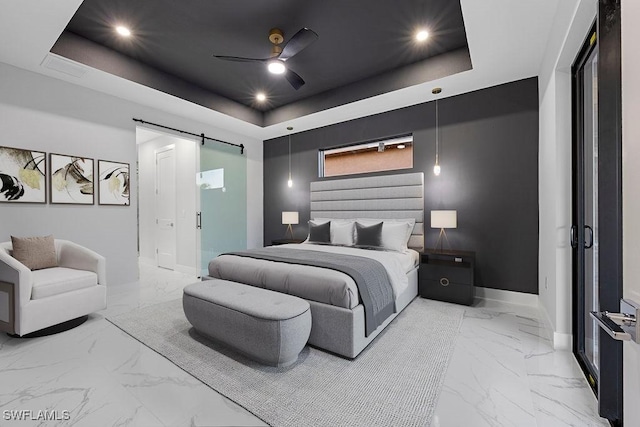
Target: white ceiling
column 507, row 40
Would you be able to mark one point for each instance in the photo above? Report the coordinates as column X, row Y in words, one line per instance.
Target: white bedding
column 330, row 287
column 397, row 264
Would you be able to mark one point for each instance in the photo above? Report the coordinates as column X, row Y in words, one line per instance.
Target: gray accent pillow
column 35, row 252
column 320, row 233
column 369, row 236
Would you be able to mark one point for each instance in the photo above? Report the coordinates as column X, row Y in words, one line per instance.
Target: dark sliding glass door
column 596, row 232
column 584, row 233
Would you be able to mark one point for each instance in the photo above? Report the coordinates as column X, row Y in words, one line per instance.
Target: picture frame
column 114, row 183
column 71, row 180
column 23, row 175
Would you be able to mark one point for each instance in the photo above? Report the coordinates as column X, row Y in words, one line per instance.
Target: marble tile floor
column 503, row 373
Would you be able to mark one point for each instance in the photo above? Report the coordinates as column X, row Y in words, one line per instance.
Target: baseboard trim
column 547, row 320
column 511, row 297
column 186, row 269
column 147, row 261
column 562, row 341
column 179, row 268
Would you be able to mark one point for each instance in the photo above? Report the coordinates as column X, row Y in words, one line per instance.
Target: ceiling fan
column 279, row 55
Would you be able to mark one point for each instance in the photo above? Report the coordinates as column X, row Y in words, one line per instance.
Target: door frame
column 170, row 147
column 577, row 209
column 199, row 271
column 608, row 387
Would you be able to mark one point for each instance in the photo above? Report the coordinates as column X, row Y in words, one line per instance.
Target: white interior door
column 166, row 208
column 631, row 198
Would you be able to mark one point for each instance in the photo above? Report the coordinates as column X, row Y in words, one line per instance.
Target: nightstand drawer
column 446, row 291
column 461, row 259
column 450, row 271
column 447, row 276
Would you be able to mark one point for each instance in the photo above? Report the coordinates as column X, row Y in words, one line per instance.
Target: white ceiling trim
column 507, row 41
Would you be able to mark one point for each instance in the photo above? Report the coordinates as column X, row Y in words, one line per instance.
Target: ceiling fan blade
column 294, row 79
column 240, row 59
column 299, row 41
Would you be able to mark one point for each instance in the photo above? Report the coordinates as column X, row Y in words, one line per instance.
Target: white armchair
column 34, row 300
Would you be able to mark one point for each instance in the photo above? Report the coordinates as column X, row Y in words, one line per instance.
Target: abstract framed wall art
column 23, row 176
column 114, row 183
column 71, row 180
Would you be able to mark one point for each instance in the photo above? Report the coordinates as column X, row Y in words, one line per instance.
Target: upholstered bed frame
column 341, row 330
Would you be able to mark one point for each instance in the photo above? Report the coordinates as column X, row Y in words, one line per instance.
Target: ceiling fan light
column 123, row 31
column 276, row 67
column 422, row 35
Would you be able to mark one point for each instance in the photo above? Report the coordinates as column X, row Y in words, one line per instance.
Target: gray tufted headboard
column 386, row 196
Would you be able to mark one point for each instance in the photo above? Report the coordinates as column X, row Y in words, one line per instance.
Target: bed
column 338, row 315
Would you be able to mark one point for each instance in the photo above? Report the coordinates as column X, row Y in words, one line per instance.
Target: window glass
column 374, row 156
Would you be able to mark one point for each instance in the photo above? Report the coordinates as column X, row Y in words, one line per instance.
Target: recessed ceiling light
column 261, row 97
column 422, row 35
column 276, row 67
column 123, row 31
column 400, row 146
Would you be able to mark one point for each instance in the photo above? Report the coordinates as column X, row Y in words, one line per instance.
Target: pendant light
column 436, row 167
column 290, row 181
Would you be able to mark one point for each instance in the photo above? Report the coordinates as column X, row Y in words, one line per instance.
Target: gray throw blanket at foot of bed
column 370, row 276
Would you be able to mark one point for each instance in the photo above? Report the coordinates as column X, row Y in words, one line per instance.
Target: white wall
column 47, row 114
column 572, row 24
column 185, row 157
column 631, row 201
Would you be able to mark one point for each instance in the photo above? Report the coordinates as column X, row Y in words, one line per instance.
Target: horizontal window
column 373, row 156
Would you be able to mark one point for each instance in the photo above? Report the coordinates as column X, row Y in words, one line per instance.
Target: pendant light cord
column 289, row 156
column 437, row 136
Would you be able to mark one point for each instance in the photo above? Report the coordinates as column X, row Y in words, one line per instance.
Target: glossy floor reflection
column 503, row 373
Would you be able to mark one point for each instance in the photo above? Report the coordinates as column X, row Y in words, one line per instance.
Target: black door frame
column 578, row 212
column 610, row 200
column 609, row 385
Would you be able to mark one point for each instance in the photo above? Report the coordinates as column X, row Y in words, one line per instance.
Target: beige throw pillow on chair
column 35, row 252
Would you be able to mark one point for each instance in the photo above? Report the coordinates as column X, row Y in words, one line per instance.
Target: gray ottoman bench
column 269, row 327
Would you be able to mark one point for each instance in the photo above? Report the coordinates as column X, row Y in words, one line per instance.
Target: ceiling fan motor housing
column 279, row 54
column 276, row 36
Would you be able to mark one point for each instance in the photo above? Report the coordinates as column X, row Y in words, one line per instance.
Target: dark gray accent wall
column 489, row 159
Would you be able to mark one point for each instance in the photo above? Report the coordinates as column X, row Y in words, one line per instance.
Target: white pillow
column 342, row 232
column 340, row 223
column 394, row 235
column 410, row 222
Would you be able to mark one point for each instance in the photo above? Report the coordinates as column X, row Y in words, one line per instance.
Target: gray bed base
column 341, row 330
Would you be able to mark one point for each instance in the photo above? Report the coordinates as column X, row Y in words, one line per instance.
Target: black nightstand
column 285, row 241
column 447, row 276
